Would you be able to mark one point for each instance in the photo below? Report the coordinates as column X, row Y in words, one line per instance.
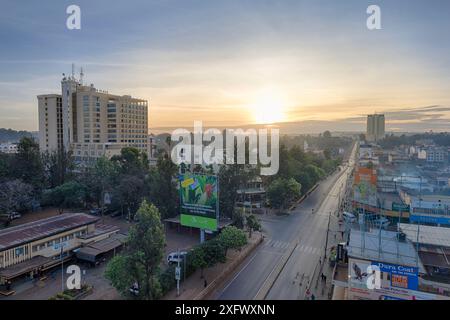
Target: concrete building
column 436, row 154
column 50, row 122
column 402, row 274
column 375, row 127
column 91, row 122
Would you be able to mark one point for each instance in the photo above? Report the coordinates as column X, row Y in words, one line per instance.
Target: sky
column 311, row 64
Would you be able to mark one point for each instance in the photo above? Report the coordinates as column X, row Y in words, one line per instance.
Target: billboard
column 397, row 282
column 199, row 201
column 365, row 186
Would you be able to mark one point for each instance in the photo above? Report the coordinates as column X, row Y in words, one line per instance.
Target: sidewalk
column 194, row 286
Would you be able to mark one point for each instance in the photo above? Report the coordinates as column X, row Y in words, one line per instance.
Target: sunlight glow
column 268, row 108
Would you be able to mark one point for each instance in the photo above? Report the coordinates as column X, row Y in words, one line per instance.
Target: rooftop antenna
column 73, row 71
column 81, row 75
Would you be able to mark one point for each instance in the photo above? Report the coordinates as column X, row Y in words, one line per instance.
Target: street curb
column 230, row 269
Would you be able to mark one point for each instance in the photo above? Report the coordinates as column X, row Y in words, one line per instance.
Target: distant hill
column 10, row 135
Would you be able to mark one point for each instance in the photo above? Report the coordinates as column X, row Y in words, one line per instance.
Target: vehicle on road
column 348, row 217
column 176, row 257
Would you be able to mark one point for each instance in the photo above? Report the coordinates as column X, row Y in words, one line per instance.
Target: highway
column 288, row 260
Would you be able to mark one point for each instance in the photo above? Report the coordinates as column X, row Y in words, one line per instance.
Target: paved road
column 303, row 227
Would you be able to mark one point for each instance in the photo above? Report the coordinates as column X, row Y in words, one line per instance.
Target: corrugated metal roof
column 430, row 235
column 32, row 231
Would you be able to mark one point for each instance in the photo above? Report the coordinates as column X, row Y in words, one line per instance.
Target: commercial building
column 91, row 122
column 32, row 248
column 402, row 275
column 375, row 127
column 432, row 209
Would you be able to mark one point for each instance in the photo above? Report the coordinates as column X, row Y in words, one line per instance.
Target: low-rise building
column 34, row 247
column 400, row 271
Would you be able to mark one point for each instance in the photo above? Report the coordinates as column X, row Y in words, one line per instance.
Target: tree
column 101, row 177
column 117, row 271
column 198, row 259
column 232, row 238
column 129, row 192
column 231, row 178
column 27, row 164
column 253, row 224
column 145, row 249
column 162, row 187
column 68, row 195
column 58, row 167
column 239, row 218
column 214, row 252
column 282, row 192
column 132, row 161
column 15, row 196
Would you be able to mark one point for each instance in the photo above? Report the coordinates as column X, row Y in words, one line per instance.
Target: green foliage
column 15, row 196
column 162, row 187
column 282, row 192
column 27, row 165
column 231, row 178
column 232, row 238
column 68, row 195
column 140, row 263
column 117, row 271
column 132, row 161
column 253, row 224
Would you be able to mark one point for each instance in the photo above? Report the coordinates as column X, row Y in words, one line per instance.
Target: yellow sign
column 187, row 182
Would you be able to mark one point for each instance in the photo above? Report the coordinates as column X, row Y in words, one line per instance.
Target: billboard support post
column 202, row 235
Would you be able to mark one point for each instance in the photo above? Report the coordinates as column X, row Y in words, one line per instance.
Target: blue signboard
column 429, row 219
column 401, row 276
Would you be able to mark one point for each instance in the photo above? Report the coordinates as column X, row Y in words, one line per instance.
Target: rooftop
column 435, row 236
column 382, row 246
column 32, row 231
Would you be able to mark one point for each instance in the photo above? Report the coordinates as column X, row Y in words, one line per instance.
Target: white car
column 176, row 257
column 383, row 222
column 348, row 217
column 14, row 215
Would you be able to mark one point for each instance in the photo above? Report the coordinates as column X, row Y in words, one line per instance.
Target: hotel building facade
column 91, row 122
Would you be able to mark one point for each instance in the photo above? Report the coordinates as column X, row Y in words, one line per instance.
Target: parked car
column 348, row 217
column 14, row 215
column 176, row 257
column 95, row 211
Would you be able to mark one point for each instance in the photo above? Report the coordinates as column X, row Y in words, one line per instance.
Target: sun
column 268, row 108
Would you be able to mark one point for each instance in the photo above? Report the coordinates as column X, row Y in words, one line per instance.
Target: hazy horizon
column 311, row 64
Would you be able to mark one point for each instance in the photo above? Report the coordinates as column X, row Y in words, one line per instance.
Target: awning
column 92, row 251
column 25, row 267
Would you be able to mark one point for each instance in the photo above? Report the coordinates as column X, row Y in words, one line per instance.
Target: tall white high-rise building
column 375, row 127
column 91, row 122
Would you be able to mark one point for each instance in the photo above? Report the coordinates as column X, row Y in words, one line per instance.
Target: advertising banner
column 365, row 186
column 199, row 201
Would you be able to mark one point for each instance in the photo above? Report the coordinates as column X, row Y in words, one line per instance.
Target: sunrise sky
column 235, row 62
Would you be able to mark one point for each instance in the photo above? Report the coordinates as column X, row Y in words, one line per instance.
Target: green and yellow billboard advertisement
column 199, row 201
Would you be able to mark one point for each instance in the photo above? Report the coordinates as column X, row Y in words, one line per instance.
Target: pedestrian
column 205, row 284
column 313, row 297
column 325, row 278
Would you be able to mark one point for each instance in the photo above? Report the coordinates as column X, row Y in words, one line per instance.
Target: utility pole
column 326, row 240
